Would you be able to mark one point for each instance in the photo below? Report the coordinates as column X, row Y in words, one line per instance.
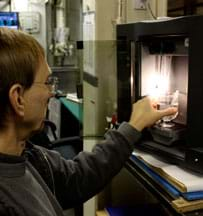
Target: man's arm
column 78, row 180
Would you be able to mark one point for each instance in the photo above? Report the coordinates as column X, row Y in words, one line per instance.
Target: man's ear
column 17, row 100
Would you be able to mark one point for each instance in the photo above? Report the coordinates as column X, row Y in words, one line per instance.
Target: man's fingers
column 168, row 111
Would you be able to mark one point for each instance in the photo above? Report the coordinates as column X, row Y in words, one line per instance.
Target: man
column 33, row 180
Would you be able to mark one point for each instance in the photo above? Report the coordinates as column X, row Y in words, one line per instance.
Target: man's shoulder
column 36, row 155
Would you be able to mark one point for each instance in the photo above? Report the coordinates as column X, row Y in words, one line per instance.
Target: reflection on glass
column 165, row 101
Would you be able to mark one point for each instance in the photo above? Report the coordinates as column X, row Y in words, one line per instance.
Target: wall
column 33, row 5
column 158, row 7
column 184, row 7
column 4, row 6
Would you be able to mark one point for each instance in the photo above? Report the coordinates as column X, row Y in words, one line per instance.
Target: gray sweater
column 24, row 192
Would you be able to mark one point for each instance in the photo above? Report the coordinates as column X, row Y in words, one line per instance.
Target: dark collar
column 11, row 166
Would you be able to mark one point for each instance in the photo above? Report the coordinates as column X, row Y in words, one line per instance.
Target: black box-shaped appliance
column 164, row 59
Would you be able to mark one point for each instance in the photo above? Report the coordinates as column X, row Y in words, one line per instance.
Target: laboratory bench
column 67, row 116
column 167, row 201
column 71, row 117
column 75, row 108
column 138, row 190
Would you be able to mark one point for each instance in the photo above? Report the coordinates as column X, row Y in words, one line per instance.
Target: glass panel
column 164, row 71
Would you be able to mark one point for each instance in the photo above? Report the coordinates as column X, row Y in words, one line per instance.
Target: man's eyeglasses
column 51, row 83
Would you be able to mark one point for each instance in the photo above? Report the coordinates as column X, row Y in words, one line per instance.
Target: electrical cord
column 147, row 5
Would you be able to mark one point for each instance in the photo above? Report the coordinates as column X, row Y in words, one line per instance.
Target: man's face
column 36, row 99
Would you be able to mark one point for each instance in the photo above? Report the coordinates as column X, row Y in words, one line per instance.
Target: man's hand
column 145, row 114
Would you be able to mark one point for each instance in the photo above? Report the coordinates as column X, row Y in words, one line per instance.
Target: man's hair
column 20, row 56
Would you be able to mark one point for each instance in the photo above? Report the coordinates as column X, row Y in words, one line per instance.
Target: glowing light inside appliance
column 158, row 84
column 159, row 79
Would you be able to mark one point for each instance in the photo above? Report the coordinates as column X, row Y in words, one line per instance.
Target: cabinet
column 184, row 7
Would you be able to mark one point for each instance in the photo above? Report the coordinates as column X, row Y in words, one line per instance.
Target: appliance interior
column 164, row 77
